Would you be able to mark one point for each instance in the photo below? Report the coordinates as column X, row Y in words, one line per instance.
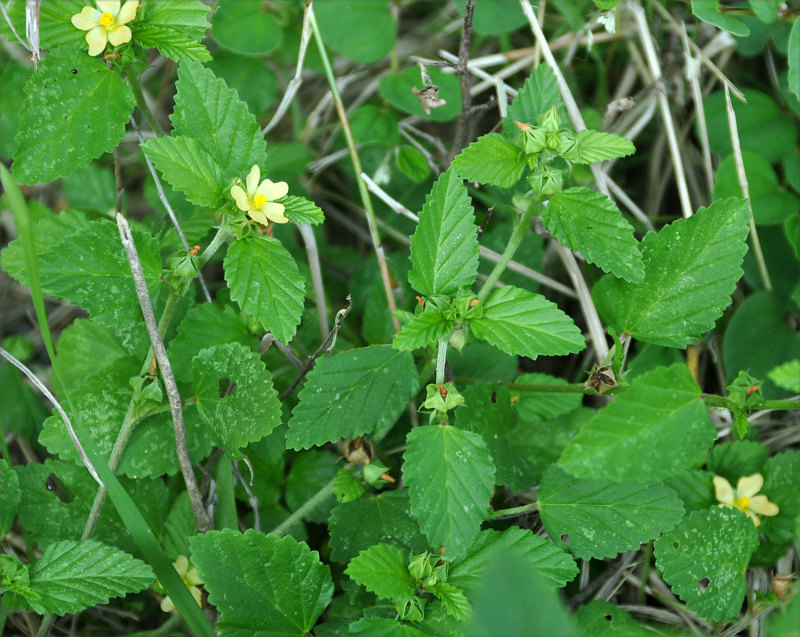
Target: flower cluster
column 258, row 201
column 106, row 23
column 189, row 577
column 744, row 497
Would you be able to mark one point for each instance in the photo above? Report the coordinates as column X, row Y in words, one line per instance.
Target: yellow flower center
column 107, row 20
column 259, row 201
column 742, row 503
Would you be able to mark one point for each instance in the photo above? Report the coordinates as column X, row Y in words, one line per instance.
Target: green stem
column 441, row 359
column 136, row 88
column 513, row 511
column 520, row 227
column 712, row 400
column 223, row 234
column 648, row 552
column 318, row 498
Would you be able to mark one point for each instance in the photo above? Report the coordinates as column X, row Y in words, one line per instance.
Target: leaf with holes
column 656, row 429
column 382, row 570
column 600, row 518
column 444, row 247
column 491, row 159
column 691, row 267
column 450, row 476
column 588, row 222
column 519, row 322
column 704, row 559
column 75, row 110
column 263, row 278
column 235, row 396
column 351, row 394
column 262, row 584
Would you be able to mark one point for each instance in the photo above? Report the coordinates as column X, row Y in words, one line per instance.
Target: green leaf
column 348, row 486
column 262, row 583
column 708, row 11
column 91, row 187
column 263, row 278
column 787, row 376
column 496, row 17
column 301, row 210
column 75, row 110
column 554, row 565
column 175, row 28
column 361, row 523
column 656, row 429
column 9, row 487
column 491, row 159
column 444, row 247
column 242, row 26
column 735, row 459
column 537, row 406
column 351, row 394
column 592, row 146
column 588, row 222
column 188, row 169
column 211, row 113
column 695, row 488
column 309, row 473
column 691, row 268
column 235, row 396
column 604, row 619
column 54, row 22
column 397, row 90
column 766, row 10
column 600, row 518
column 382, row 570
column 72, row 576
column 793, row 59
column 519, row 322
column 423, row 330
column 369, row 626
column 204, row 326
column 411, row 163
column 450, row 476
column 781, row 476
column 453, row 599
column 340, row 21
column 704, row 558
column 538, row 95
column 488, row 412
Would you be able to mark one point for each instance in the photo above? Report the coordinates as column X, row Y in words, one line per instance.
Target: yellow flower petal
column 258, row 216
column 753, row 517
column 272, row 190
column 274, row 212
column 128, row 11
column 723, row 490
column 192, row 577
column 252, row 180
column 87, row 19
column 240, row 197
column 110, row 6
column 749, row 486
column 97, row 39
column 167, row 605
column 196, row 594
column 181, row 565
column 119, row 35
column 761, row 505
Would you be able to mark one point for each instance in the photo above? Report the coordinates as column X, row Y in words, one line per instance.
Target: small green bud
column 184, row 265
column 568, row 146
column 533, row 140
column 442, row 397
column 420, row 566
column 550, row 121
column 457, row 339
column 468, row 306
column 372, row 473
column 546, row 181
column 412, row 609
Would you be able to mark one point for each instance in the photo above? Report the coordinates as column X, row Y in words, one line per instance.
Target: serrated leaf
column 56, row 498
column 793, row 59
column 538, row 95
column 9, row 487
column 175, row 28
column 787, row 376
column 453, row 600
column 704, row 559
column 212, row 114
column 600, row 518
column 187, row 168
column 599, row 618
column 554, row 565
column 735, row 459
column 444, row 247
column 491, row 159
column 691, row 268
column 205, row 325
column 55, row 27
column 695, row 488
column 351, row 394
column 72, row 576
column 348, row 486
column 655, row 430
column 69, row 118
column 488, row 412
column 301, row 210
column 450, row 476
column 781, row 476
column 361, row 523
column 423, row 330
column 262, row 583
column 519, row 322
column 263, row 278
column 592, row 145
column 588, row 222
column 247, row 408
column 382, row 570
column 384, row 627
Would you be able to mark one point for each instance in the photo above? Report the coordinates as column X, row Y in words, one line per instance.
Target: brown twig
column 463, row 76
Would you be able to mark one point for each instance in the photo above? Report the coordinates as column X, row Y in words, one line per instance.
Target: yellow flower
column 189, row 577
column 259, row 200
column 106, row 23
column 744, row 497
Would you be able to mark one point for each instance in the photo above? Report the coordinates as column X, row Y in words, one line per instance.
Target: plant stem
column 520, row 227
column 441, row 359
column 309, row 505
column 514, row 511
column 136, row 88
